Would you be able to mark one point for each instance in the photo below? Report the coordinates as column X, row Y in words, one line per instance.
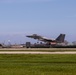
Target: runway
column 29, row 52
column 17, row 49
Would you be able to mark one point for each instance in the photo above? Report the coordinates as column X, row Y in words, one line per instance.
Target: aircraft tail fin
column 60, row 38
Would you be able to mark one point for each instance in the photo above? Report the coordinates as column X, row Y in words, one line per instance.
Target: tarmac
column 22, row 52
column 37, row 51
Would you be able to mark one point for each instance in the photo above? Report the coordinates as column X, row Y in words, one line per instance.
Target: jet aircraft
column 59, row 39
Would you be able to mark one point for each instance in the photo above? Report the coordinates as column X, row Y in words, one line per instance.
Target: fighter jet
column 59, row 39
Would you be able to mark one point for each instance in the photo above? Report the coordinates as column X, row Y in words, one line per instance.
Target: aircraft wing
column 48, row 40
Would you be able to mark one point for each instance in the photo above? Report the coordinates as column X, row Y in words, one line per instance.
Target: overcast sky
column 44, row 17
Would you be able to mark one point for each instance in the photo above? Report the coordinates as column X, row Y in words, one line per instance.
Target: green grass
column 37, row 64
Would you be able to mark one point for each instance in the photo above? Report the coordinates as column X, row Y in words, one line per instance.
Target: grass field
column 37, row 64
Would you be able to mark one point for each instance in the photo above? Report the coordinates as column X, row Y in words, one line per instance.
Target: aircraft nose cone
column 28, row 36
